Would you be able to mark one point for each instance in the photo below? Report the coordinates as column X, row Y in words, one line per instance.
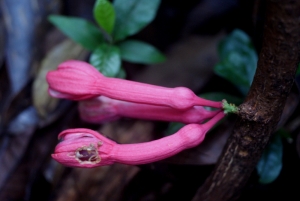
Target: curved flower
column 87, row 148
column 103, row 109
column 79, row 80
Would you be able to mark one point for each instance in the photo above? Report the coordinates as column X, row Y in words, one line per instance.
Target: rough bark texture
column 261, row 111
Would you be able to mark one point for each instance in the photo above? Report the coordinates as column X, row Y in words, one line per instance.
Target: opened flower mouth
column 83, row 148
column 88, row 154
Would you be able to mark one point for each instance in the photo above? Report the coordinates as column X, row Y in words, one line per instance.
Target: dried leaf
column 14, row 104
column 26, row 180
column 189, row 63
column 64, row 51
column 2, row 43
column 15, row 140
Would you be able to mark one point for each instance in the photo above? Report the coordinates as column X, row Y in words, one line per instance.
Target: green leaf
column 174, row 127
column 234, row 41
column 132, row 16
column 79, row 30
column 238, row 60
column 104, row 14
column 234, row 68
column 270, row 163
column 121, row 73
column 106, row 58
column 140, row 52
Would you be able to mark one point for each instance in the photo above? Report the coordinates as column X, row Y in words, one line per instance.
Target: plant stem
column 263, row 106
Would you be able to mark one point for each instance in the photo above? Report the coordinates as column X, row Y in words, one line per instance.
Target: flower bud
column 103, row 109
column 74, row 80
column 79, row 80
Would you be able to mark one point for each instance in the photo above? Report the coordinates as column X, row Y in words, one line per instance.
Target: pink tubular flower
column 103, row 109
column 79, row 80
column 86, row 148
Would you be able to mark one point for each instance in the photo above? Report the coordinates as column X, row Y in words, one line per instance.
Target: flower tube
column 87, row 149
column 78, row 80
column 103, row 109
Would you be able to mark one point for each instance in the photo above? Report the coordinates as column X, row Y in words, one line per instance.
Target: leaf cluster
column 107, row 41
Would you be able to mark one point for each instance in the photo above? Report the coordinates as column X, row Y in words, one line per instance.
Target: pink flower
column 103, row 109
column 79, row 80
column 86, row 148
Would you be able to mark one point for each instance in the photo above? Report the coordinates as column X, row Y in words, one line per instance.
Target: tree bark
column 263, row 106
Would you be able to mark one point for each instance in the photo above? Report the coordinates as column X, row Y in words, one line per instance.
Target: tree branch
column 263, row 106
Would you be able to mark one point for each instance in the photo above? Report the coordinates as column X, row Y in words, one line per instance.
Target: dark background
column 188, row 32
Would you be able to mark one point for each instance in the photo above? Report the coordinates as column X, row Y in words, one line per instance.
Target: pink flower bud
column 87, row 148
column 73, row 80
column 79, row 80
column 103, row 109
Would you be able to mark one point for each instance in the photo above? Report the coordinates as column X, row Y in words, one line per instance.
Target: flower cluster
column 104, row 99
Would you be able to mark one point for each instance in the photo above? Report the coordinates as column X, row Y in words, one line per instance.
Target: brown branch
column 261, row 111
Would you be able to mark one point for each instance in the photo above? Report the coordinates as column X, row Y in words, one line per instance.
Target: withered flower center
column 87, row 155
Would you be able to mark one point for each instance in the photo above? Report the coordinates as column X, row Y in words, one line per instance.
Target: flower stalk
column 229, row 107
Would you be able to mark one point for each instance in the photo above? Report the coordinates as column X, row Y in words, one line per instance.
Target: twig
column 261, row 111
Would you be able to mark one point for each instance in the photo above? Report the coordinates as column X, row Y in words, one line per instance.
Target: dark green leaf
column 140, row 52
column 81, row 31
column 234, row 67
column 174, row 127
column 238, row 60
column 106, row 58
column 121, row 73
column 104, row 14
column 132, row 16
column 298, row 70
column 283, row 133
column 237, row 40
column 270, row 164
column 219, row 96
